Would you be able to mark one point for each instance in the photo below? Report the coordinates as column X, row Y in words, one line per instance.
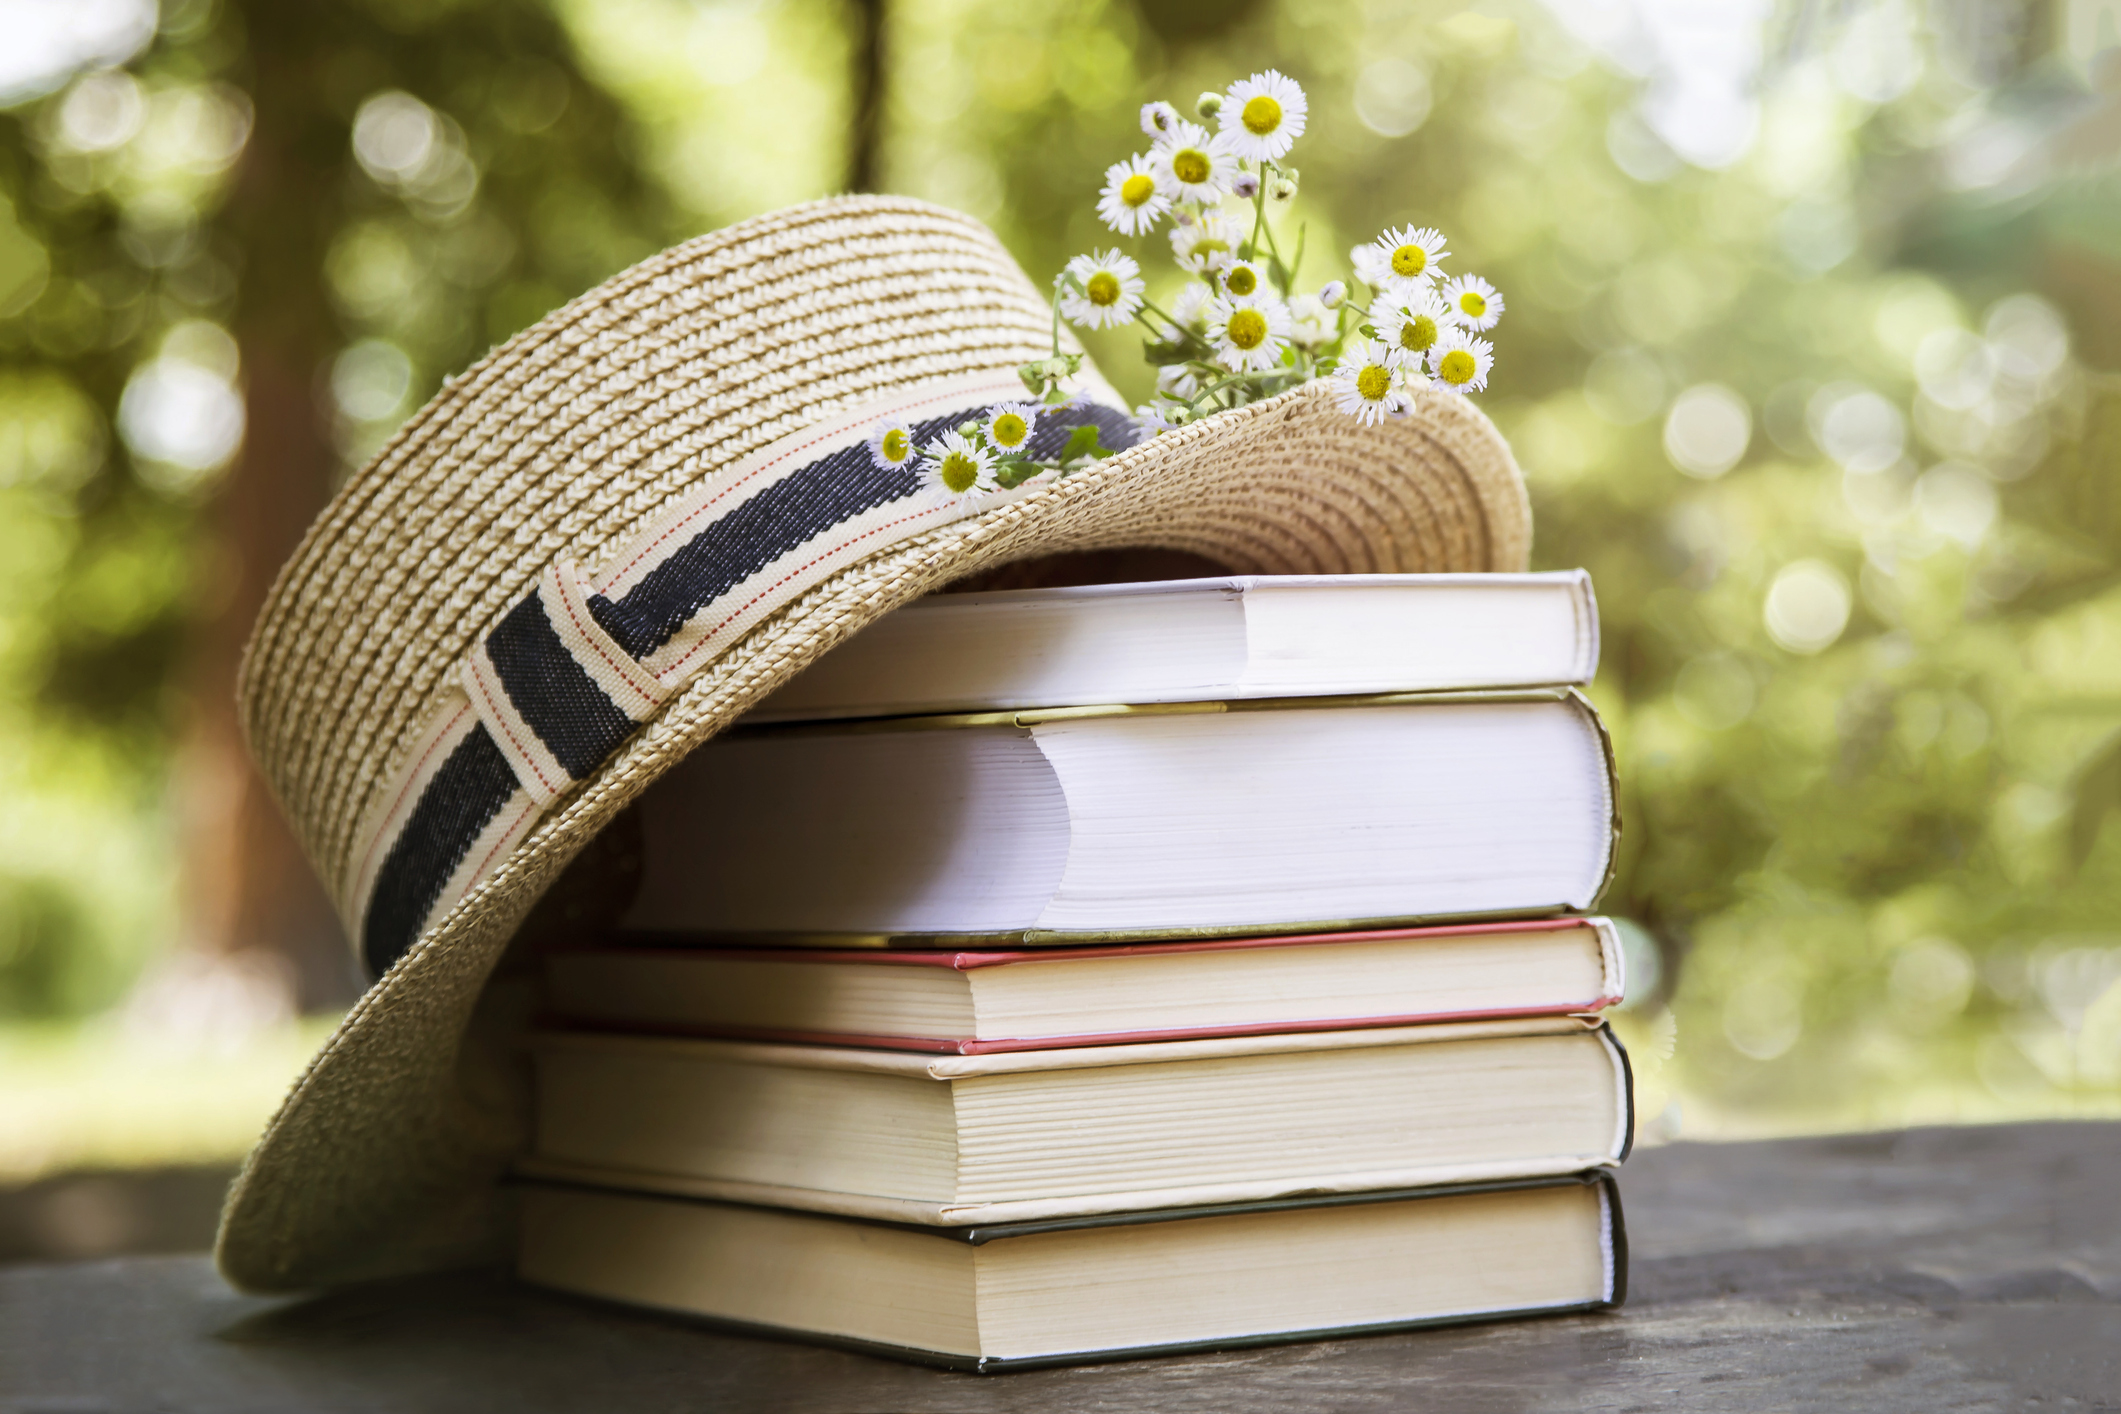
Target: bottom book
column 1076, row 1290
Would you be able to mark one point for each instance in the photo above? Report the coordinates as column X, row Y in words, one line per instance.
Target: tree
column 328, row 208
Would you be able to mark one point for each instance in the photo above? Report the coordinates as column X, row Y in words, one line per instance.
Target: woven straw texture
column 564, row 442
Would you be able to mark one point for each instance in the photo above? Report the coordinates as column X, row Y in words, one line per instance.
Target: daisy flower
column 957, row 467
column 891, row 445
column 1241, row 278
column 1264, row 116
column 1191, row 301
column 1472, row 302
column 1248, row 334
column 1409, row 324
column 1399, row 258
column 1105, row 290
column 1245, row 185
column 1159, row 118
column 1191, row 166
column 1130, row 203
column 1009, row 427
column 1332, row 294
column 1159, row 414
column 1460, row 361
column 1367, row 387
column 1175, row 380
column 1205, row 244
column 1310, row 322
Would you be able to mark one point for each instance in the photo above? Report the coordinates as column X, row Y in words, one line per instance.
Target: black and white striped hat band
column 575, row 668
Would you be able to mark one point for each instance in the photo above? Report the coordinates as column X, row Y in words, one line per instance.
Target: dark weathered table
column 1931, row 1270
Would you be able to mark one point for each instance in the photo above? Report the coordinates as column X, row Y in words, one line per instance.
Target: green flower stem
column 1186, row 335
column 1264, row 379
column 1260, row 227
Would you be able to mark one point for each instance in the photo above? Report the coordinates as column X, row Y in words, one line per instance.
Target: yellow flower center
column 1242, row 280
column 1417, row 333
column 960, row 473
column 1102, row 288
column 1248, row 329
column 1137, row 189
column 896, row 445
column 1009, row 430
column 1457, row 368
column 1207, row 246
column 1373, row 383
column 1409, row 261
column 1472, row 303
column 1262, row 115
column 1190, row 165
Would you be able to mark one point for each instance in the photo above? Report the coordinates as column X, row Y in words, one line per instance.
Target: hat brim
column 387, row 1155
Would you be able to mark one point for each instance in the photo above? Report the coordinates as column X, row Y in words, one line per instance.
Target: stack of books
column 1055, row 975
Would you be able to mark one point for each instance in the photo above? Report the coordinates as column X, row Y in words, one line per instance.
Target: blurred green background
column 1813, row 358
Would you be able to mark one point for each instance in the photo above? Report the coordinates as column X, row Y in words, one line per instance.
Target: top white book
column 1205, row 640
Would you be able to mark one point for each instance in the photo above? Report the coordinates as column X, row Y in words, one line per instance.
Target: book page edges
column 1613, row 958
column 1588, row 637
column 886, row 1062
column 873, row 1208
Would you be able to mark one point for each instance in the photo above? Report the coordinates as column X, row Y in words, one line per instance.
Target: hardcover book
column 1246, row 636
column 961, row 1140
column 976, row 1003
column 1109, row 824
column 1010, row 1296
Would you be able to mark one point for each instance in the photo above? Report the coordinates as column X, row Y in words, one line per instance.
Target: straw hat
column 614, row 535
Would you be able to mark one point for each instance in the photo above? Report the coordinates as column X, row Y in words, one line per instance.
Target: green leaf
column 1166, row 352
column 1083, row 442
column 1016, row 471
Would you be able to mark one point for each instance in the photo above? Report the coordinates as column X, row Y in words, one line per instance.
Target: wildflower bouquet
column 1239, row 330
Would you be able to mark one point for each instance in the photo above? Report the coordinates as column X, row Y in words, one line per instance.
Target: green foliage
column 1862, row 663
column 1866, row 721
column 205, row 213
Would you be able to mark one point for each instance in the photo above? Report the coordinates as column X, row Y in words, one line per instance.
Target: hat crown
column 564, row 442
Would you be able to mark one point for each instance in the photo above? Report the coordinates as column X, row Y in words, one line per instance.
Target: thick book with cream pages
column 1021, row 1135
column 1012, row 1296
column 1245, row 636
column 973, row 1003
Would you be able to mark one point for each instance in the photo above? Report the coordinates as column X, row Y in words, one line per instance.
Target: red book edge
column 965, row 961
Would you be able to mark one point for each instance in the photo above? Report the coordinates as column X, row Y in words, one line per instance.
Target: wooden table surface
column 1929, row 1270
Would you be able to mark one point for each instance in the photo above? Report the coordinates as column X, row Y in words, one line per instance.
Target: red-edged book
column 973, row 1003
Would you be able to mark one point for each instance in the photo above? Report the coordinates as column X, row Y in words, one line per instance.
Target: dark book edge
column 1014, row 1045
column 978, row 1235
column 1627, row 1096
column 1006, row 1365
column 1022, row 717
column 1617, row 1284
column 1612, row 786
column 1019, row 938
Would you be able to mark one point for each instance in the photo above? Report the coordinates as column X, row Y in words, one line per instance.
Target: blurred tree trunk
column 251, row 894
column 867, row 85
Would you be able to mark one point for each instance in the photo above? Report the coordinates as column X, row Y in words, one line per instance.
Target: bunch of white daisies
column 991, row 453
column 1237, row 330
